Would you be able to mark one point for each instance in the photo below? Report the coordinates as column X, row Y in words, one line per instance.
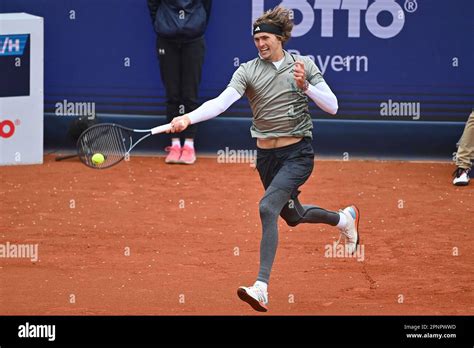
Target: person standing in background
column 465, row 154
column 180, row 26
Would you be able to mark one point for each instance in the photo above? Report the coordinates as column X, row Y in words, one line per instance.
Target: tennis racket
column 112, row 141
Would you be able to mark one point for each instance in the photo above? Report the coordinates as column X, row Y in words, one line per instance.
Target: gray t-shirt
column 279, row 107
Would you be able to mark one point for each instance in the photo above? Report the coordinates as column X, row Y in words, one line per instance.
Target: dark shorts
column 287, row 167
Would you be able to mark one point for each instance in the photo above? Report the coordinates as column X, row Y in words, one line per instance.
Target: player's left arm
column 309, row 79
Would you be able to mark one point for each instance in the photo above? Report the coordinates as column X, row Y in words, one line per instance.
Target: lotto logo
column 359, row 12
column 7, row 129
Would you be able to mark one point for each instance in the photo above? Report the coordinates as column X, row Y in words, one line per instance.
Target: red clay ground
column 188, row 254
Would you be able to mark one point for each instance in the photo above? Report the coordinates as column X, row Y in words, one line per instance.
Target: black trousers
column 181, row 68
column 287, row 168
column 282, row 171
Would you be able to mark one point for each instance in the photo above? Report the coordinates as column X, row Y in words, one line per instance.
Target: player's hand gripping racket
column 104, row 145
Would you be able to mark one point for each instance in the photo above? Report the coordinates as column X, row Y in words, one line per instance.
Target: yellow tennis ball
column 98, row 158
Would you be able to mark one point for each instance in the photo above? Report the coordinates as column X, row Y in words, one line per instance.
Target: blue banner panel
column 14, row 65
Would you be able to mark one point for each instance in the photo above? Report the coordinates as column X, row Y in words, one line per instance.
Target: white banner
column 21, row 89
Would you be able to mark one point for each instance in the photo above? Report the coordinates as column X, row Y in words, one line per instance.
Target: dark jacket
column 180, row 19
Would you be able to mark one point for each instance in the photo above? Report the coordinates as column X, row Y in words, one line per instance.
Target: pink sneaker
column 174, row 154
column 188, row 155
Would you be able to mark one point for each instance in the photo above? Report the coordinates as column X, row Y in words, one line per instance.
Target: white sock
column 175, row 142
column 342, row 220
column 189, row 142
column 261, row 285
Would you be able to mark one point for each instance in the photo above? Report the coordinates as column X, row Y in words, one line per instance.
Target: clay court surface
column 145, row 238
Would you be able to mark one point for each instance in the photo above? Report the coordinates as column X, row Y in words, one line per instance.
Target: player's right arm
column 206, row 111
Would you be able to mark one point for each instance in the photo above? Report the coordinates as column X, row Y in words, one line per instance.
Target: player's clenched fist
column 179, row 124
column 300, row 76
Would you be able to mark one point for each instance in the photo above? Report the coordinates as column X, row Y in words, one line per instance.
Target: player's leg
column 270, row 205
column 168, row 55
column 294, row 173
column 347, row 220
column 192, row 59
column 274, row 167
column 282, row 171
column 465, row 154
column 295, row 213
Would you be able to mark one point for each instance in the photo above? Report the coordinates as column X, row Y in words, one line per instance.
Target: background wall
column 374, row 54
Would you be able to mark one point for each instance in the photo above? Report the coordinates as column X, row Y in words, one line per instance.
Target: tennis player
column 278, row 85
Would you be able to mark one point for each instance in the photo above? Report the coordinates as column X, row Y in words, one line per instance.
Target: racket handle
column 161, row 129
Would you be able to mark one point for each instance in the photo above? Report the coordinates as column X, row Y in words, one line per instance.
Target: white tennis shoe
column 254, row 296
column 351, row 231
column 461, row 177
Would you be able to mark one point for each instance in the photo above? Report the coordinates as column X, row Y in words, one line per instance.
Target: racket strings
column 111, row 141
